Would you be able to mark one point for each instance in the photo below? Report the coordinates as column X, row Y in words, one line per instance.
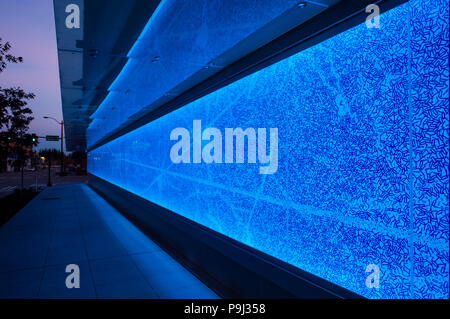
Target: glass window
column 361, row 181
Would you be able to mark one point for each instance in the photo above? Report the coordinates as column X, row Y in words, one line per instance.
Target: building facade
column 313, row 135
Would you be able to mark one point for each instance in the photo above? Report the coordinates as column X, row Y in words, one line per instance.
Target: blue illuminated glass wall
column 362, row 177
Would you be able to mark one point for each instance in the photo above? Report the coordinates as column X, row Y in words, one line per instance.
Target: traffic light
column 34, row 139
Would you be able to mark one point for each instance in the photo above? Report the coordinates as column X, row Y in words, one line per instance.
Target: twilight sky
column 30, row 28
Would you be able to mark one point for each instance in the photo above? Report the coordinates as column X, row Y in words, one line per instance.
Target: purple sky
column 30, row 28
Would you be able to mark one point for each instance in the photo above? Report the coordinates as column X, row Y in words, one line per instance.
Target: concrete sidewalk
column 71, row 224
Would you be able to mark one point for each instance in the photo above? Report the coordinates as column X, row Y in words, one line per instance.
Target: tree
column 15, row 116
column 7, row 57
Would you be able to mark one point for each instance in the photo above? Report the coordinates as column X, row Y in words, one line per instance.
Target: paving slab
column 72, row 225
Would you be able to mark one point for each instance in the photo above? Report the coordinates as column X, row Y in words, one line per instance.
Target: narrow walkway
column 71, row 224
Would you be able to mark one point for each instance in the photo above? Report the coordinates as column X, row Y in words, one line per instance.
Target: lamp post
column 49, row 183
column 62, row 140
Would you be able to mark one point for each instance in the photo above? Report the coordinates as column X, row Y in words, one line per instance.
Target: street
column 9, row 181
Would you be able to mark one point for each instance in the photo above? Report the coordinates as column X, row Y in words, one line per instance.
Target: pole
column 62, row 153
column 49, row 183
column 21, row 185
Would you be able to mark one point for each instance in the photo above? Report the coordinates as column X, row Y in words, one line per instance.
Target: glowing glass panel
column 362, row 176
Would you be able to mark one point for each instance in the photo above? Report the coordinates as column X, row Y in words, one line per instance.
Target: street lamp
column 62, row 139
